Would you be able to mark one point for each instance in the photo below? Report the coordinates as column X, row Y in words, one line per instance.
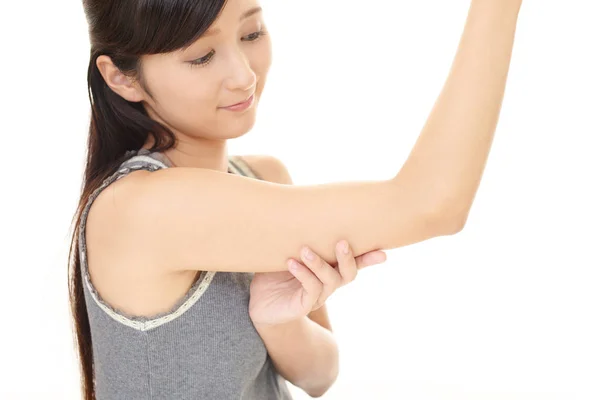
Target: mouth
column 241, row 106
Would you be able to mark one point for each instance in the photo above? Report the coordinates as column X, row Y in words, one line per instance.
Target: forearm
column 304, row 353
column 449, row 156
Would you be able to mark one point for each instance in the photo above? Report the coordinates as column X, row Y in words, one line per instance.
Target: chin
column 237, row 128
column 239, row 125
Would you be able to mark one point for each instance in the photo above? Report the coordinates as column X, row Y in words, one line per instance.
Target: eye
column 203, row 60
column 254, row 36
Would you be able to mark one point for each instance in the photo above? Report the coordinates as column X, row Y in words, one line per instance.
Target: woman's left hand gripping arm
column 304, row 352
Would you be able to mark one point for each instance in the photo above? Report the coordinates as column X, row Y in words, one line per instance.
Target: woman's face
column 193, row 89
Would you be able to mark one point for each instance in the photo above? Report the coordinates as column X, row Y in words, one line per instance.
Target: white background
column 506, row 309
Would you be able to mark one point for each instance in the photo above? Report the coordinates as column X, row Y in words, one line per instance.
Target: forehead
column 236, row 11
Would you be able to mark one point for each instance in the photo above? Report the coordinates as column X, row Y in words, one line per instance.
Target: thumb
column 371, row 258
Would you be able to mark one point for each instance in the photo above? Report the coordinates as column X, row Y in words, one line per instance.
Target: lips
column 240, row 103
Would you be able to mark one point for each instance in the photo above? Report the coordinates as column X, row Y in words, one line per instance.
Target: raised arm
column 199, row 219
column 451, row 152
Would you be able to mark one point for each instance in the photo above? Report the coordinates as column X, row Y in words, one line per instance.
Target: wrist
column 283, row 328
column 510, row 5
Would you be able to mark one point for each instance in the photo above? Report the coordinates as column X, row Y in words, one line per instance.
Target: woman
column 184, row 280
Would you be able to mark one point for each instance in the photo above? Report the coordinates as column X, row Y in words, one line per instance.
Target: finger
column 311, row 284
column 370, row 258
column 346, row 262
column 328, row 275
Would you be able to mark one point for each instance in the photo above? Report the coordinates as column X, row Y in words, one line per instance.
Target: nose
column 240, row 76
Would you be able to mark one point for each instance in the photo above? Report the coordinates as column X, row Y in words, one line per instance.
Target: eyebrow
column 245, row 15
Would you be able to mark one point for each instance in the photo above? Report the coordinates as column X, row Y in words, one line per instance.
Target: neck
column 201, row 153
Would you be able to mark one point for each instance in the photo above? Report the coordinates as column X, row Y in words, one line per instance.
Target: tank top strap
column 143, row 159
column 154, row 160
column 242, row 167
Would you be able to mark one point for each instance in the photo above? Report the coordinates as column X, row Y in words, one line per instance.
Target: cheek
column 260, row 60
column 188, row 100
column 192, row 91
column 198, row 86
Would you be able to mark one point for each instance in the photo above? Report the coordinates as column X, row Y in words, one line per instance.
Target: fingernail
column 308, row 254
column 346, row 247
column 380, row 258
column 342, row 247
column 293, row 265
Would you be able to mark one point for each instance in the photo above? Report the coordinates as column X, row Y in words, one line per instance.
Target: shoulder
column 268, row 168
column 105, row 225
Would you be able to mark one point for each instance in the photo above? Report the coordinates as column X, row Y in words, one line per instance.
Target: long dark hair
column 124, row 31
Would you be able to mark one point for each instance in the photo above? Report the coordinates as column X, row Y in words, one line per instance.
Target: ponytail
column 117, row 126
column 124, row 31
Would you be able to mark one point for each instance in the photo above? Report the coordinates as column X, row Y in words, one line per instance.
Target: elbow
column 319, row 391
column 451, row 219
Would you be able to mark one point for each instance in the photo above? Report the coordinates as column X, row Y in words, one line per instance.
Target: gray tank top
column 205, row 347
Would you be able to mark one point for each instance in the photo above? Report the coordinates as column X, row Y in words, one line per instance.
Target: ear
column 120, row 83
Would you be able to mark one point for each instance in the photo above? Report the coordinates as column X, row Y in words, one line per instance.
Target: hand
column 283, row 296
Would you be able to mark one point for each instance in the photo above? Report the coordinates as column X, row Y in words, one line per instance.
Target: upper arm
column 272, row 169
column 201, row 219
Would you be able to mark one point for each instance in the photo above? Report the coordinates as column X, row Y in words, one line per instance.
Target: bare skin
column 196, row 229
column 430, row 196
